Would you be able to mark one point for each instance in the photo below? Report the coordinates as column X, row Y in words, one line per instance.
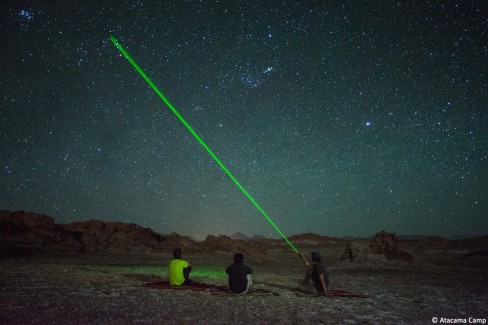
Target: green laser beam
column 153, row 86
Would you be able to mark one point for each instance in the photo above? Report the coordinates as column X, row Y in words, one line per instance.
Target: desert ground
column 52, row 287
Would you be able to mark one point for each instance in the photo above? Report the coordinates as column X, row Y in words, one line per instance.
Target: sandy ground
column 53, row 289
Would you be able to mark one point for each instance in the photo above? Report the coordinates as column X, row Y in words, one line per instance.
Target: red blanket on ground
column 214, row 289
column 224, row 291
column 333, row 293
column 166, row 285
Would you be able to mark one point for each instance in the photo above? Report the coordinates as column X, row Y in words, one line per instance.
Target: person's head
column 316, row 257
column 177, row 253
column 238, row 258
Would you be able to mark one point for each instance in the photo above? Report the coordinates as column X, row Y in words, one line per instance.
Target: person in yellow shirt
column 179, row 270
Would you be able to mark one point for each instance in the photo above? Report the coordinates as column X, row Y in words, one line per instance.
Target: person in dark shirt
column 239, row 275
column 316, row 272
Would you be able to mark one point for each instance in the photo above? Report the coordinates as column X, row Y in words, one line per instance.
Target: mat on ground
column 215, row 290
column 333, row 293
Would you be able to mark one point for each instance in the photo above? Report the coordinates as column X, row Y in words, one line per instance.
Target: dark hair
column 238, row 258
column 177, row 253
column 316, row 257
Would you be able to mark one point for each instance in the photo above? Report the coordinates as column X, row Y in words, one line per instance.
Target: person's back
column 239, row 275
column 176, row 277
column 316, row 272
column 178, row 270
column 320, row 269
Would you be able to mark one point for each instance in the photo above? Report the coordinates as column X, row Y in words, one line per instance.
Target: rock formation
column 99, row 235
column 383, row 251
column 311, row 239
column 387, row 244
column 239, row 236
column 37, row 230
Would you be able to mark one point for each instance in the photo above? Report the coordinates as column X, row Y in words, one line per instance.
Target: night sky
column 338, row 117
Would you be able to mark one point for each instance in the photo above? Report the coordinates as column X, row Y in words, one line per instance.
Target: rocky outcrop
column 387, row 244
column 220, row 243
column 37, row 230
column 381, row 252
column 98, row 235
column 252, row 250
column 311, row 239
column 239, row 236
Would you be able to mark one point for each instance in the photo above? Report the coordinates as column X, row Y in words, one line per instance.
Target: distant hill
column 413, row 237
column 39, row 230
column 352, row 238
column 239, row 236
column 33, row 230
column 314, row 239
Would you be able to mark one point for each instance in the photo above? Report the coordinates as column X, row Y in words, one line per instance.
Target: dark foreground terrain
column 47, row 287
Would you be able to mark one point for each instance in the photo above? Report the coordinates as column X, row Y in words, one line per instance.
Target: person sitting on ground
column 316, row 272
column 179, row 270
column 240, row 279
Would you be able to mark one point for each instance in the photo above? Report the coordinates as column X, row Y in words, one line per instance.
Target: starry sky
column 341, row 118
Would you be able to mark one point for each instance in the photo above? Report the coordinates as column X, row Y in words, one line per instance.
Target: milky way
column 339, row 118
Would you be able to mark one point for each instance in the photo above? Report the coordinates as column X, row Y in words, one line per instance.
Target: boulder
column 36, row 229
column 388, row 245
column 99, row 235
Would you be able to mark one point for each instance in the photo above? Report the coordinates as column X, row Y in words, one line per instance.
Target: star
column 26, row 15
column 333, row 123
